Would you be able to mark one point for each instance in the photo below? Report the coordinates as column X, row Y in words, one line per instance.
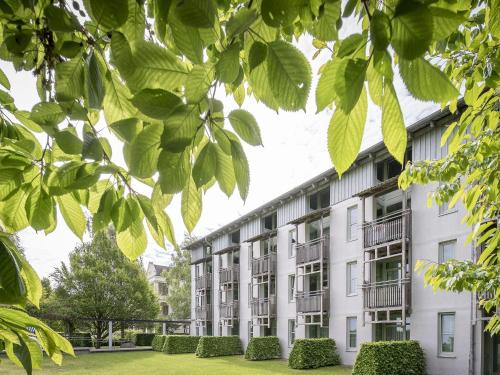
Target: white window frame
column 291, row 291
column 352, row 235
column 351, row 290
column 349, row 332
column 442, row 353
column 292, row 235
column 444, row 209
column 441, row 250
column 291, row 332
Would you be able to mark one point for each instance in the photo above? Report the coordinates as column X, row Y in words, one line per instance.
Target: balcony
column 386, row 229
column 229, row 275
column 204, row 281
column 312, row 251
column 386, row 294
column 264, row 264
column 312, row 302
column 203, row 312
column 263, row 306
column 229, row 310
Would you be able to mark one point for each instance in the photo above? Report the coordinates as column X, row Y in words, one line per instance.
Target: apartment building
column 159, row 285
column 336, row 257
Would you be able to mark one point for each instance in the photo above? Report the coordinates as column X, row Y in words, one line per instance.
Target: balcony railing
column 263, row 306
column 313, row 250
column 229, row 310
column 230, row 274
column 386, row 229
column 310, row 302
column 386, row 294
column 203, row 312
column 204, row 281
column 264, row 264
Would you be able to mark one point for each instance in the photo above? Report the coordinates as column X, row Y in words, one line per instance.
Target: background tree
column 101, row 283
column 178, row 277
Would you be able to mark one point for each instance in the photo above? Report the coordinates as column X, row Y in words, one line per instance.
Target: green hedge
column 81, row 339
column 313, row 353
column 261, row 348
column 217, row 346
column 176, row 344
column 144, row 339
column 390, row 358
column 158, row 342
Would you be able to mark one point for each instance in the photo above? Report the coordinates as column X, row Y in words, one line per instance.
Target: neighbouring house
column 154, row 273
column 336, row 258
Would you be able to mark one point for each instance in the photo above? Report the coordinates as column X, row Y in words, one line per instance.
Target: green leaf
column 241, row 169
column 245, row 125
column 393, row 127
column 174, row 169
column 121, row 215
column 148, row 210
column 187, row 39
column 156, row 103
column 228, row 66
column 69, row 142
column 126, row 130
column 166, row 226
column 132, row 241
column 135, row 25
column 325, row 28
column 257, row 55
column 196, row 13
column 205, row 165
column 349, row 82
column 15, row 204
column 240, row 22
column 345, row 133
column 108, row 14
column 116, row 103
column 349, row 8
column 94, row 86
column 325, row 90
column 261, row 88
column 445, row 22
column 198, row 83
column 12, row 289
column 4, row 81
column 380, row 30
column 10, row 180
column 224, row 172
column 191, row 205
column 350, row 44
column 59, row 19
column 289, row 75
column 102, row 217
column 278, row 13
column 72, row 214
column 426, row 82
column 39, row 209
column 47, row 114
column 411, row 29
column 180, row 129
column 145, row 151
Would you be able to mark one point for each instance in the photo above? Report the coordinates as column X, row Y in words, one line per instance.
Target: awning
column 263, row 236
column 310, row 216
column 390, row 184
column 227, row 249
column 202, row 260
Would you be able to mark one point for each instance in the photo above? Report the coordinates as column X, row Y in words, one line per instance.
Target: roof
column 159, row 269
column 263, row 235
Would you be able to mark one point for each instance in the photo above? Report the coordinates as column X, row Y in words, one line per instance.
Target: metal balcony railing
column 230, row 274
column 263, row 306
column 311, row 302
column 203, row 312
column 229, row 310
column 204, row 281
column 386, row 229
column 312, row 250
column 386, row 294
column 264, row 264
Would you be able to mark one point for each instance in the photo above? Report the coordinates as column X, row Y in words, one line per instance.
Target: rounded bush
column 217, row 346
column 313, row 353
column 262, row 348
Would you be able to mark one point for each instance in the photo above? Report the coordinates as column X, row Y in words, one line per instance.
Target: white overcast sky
column 294, row 151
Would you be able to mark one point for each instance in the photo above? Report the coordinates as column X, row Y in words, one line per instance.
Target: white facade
column 353, row 293
column 159, row 285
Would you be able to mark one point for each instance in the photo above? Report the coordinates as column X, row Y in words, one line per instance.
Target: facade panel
column 354, row 181
column 250, row 229
column 291, row 210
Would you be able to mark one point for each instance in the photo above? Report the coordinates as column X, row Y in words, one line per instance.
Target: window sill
column 352, row 295
column 446, row 355
column 352, row 240
column 351, row 350
column 447, row 213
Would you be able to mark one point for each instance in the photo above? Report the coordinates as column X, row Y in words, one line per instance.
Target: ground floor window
column 351, row 333
column 250, row 329
column 271, row 330
column 235, row 329
column 291, row 332
column 209, row 329
column 390, row 332
column 316, row 331
column 446, row 333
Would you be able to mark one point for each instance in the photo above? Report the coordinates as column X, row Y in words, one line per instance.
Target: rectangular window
column 291, row 332
column 319, row 199
column 352, row 280
column 291, row 288
column 292, row 242
column 235, row 237
column 352, row 223
column 351, row 333
column 250, row 329
column 447, row 250
column 270, row 222
column 250, row 293
column 446, row 333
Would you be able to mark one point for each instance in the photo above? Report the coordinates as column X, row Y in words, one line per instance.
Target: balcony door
column 491, row 354
column 389, row 270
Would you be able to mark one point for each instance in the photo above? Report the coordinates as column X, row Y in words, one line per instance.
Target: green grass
column 149, row 363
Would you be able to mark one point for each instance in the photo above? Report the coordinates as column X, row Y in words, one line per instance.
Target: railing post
column 110, row 334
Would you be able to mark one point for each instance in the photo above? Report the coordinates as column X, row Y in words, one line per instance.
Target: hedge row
column 143, row 339
column 390, row 358
column 158, row 342
column 176, row 344
column 261, row 348
column 217, row 346
column 313, row 353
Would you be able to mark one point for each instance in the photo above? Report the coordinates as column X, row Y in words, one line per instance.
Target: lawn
column 149, row 363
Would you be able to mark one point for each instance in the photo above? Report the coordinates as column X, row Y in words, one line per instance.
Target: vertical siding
column 354, row 181
column 292, row 209
column 250, row 228
column 197, row 254
column 220, row 242
column 426, row 145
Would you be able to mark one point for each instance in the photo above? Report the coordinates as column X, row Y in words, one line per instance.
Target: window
column 235, row 237
column 446, row 333
column 220, row 329
column 291, row 288
column 163, row 289
column 387, row 169
column 351, row 278
column 315, row 331
column 164, row 309
column 447, row 250
column 270, row 222
column 235, row 329
column 292, row 241
column 352, row 223
column 319, row 199
column 351, row 333
column 445, row 209
column 250, row 329
column 207, row 251
column 250, row 294
column 291, row 332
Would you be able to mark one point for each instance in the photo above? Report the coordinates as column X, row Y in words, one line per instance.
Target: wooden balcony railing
column 313, row 250
column 204, row 281
column 310, row 302
column 386, row 229
column 229, row 310
column 263, row 306
column 203, row 312
column 230, row 274
column 386, row 294
column 264, row 264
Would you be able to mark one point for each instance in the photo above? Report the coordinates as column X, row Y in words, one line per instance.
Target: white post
column 110, row 334
column 164, row 328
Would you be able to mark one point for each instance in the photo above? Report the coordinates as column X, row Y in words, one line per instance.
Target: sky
column 294, row 150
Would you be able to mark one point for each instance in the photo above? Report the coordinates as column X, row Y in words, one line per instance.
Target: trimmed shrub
column 157, row 343
column 81, row 339
column 217, row 346
column 177, row 344
column 261, row 348
column 390, row 358
column 143, row 339
column 313, row 353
